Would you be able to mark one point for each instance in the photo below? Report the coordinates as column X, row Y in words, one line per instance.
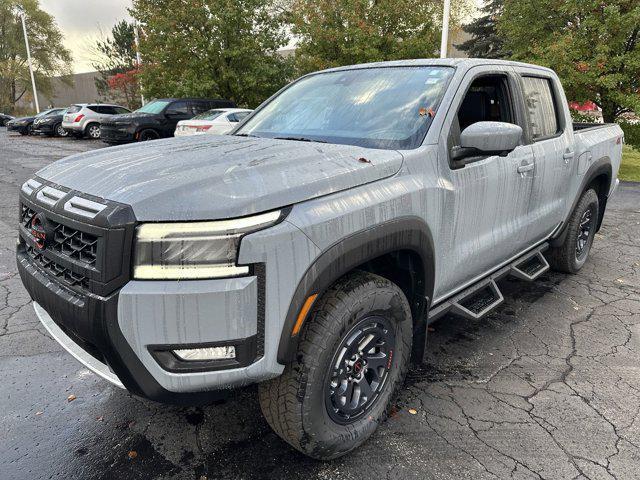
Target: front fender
column 405, row 233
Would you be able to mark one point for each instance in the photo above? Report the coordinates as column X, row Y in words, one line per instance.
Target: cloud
column 81, row 23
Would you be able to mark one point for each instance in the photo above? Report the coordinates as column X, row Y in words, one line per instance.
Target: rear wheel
column 352, row 358
column 58, row 131
column 93, row 131
column 571, row 256
column 148, row 134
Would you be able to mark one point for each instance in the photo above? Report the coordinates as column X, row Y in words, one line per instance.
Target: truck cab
column 308, row 250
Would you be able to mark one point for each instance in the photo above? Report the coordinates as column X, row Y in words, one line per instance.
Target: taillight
column 202, row 128
column 78, row 118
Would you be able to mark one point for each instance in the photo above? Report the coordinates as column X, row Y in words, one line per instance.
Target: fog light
column 210, row 353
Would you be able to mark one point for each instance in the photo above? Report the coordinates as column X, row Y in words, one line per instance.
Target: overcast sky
column 81, row 21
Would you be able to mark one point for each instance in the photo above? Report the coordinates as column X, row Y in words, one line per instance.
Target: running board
column 530, row 267
column 483, row 297
column 478, row 303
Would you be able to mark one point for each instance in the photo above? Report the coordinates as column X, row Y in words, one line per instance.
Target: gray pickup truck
column 308, row 250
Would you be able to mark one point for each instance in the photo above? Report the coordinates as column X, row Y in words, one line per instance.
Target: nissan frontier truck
column 307, row 251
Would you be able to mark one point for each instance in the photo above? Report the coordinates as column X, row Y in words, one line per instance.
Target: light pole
column 444, row 43
column 138, row 59
column 33, row 80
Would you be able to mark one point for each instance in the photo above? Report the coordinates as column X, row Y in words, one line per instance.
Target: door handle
column 525, row 168
column 567, row 156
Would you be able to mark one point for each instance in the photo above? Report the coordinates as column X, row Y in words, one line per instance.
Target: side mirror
column 487, row 138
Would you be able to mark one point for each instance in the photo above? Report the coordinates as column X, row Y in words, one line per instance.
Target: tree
column 212, row 48
column 342, row 32
column 48, row 54
column 594, row 46
column 485, row 41
column 115, row 59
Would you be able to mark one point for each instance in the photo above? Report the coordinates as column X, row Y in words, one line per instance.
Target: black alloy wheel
column 360, row 367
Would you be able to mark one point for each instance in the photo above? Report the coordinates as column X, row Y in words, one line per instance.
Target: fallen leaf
column 364, row 160
column 100, row 418
column 131, row 424
column 431, row 329
column 413, row 411
column 39, row 413
column 132, row 454
column 71, row 398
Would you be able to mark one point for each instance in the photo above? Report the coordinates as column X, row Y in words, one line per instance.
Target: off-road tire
column 294, row 404
column 564, row 258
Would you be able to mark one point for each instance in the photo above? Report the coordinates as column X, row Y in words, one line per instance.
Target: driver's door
column 486, row 200
column 176, row 111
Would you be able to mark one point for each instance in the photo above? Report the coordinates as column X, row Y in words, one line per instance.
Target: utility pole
column 444, row 43
column 33, row 80
column 138, row 58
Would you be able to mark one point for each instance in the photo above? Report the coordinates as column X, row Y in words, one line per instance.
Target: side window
column 95, row 108
column 121, row 110
column 540, row 106
column 487, row 100
column 199, row 107
column 233, row 118
column 241, row 116
column 106, row 109
column 179, row 108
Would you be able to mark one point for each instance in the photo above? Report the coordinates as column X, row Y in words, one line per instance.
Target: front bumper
column 17, row 128
column 114, row 134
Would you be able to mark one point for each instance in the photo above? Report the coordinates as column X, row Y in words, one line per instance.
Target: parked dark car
column 4, row 118
column 50, row 125
column 157, row 119
column 24, row 125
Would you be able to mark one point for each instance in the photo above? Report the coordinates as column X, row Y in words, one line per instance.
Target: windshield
column 209, row 115
column 380, row 107
column 156, row 106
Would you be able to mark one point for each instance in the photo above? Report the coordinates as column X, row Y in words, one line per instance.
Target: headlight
column 194, row 250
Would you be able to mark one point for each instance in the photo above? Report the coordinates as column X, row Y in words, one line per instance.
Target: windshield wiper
column 300, row 139
column 245, row 135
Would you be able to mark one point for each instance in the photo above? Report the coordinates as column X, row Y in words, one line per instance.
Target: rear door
column 552, row 140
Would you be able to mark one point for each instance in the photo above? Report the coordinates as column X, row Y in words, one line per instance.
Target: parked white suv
column 83, row 119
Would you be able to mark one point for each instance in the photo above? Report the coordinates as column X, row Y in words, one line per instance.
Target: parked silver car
column 83, row 119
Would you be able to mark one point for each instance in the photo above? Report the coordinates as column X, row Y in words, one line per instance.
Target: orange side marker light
column 303, row 314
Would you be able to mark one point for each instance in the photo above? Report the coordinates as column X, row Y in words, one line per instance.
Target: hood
column 23, row 119
column 212, row 177
column 127, row 117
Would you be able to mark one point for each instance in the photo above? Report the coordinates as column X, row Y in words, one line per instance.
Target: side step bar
column 483, row 297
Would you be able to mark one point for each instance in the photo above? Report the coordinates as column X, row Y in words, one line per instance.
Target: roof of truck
column 445, row 62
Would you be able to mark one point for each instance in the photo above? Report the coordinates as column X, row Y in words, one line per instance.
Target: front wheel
column 351, row 360
column 148, row 134
column 571, row 256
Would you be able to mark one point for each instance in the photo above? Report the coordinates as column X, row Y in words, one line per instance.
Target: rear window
column 541, row 107
column 209, row 115
column 74, row 109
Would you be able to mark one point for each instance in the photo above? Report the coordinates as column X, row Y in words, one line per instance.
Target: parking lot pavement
column 546, row 387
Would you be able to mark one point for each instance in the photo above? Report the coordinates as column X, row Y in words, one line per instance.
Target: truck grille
column 63, row 274
column 68, row 241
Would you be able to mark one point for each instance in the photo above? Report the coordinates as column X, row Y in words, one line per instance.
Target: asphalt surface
column 546, row 387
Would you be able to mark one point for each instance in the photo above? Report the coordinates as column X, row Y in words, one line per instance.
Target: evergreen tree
column 485, row 41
